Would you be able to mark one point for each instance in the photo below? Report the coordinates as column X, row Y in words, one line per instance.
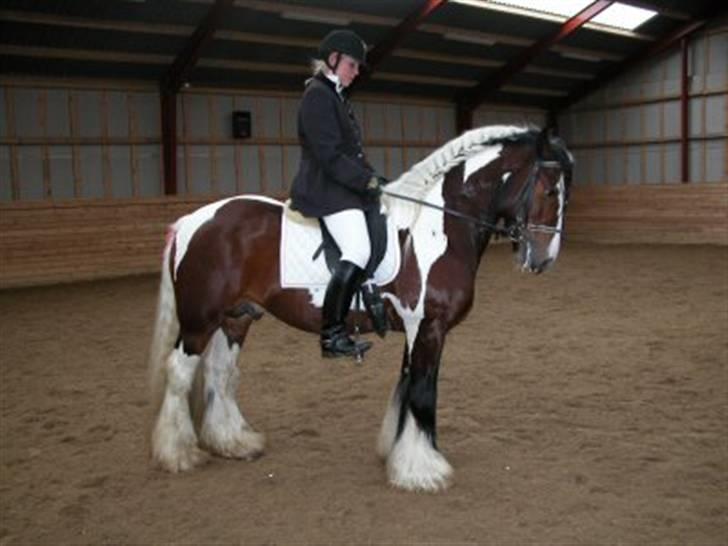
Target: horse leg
column 224, row 430
column 408, row 438
column 388, row 432
column 174, row 444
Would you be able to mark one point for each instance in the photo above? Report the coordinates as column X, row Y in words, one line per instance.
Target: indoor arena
column 544, row 187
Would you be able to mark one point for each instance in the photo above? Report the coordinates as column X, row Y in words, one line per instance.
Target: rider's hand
column 375, row 185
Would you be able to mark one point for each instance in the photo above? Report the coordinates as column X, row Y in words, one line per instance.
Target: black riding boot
column 334, row 339
column 375, row 307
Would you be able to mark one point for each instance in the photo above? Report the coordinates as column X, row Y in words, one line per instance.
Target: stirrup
column 338, row 343
column 375, row 308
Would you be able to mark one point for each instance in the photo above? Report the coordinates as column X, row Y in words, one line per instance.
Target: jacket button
column 359, row 155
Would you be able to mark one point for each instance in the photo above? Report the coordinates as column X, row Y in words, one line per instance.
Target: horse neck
column 477, row 200
column 508, row 195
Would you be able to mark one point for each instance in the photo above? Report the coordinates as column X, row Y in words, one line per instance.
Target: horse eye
column 552, row 192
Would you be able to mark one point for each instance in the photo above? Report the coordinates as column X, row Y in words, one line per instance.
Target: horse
column 220, row 272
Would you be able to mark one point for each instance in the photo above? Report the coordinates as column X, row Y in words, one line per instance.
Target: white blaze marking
column 555, row 244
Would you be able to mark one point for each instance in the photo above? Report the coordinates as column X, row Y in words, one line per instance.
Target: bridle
column 524, row 200
column 515, row 231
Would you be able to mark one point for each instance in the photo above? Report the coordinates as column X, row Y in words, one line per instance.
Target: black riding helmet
column 343, row 41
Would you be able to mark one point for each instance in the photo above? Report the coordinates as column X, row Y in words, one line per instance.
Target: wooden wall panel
column 681, row 213
column 46, row 243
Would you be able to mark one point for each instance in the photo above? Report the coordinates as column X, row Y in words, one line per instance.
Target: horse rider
column 336, row 184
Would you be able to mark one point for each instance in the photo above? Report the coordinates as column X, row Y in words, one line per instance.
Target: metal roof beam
column 384, row 48
column 182, row 66
column 474, row 97
column 177, row 74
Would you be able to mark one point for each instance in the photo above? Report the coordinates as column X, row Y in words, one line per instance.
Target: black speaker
column 241, row 124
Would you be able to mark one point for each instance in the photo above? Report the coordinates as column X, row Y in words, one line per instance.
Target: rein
column 513, row 232
column 452, row 212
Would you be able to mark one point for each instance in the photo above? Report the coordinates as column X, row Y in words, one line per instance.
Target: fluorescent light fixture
column 565, row 8
column 315, row 18
column 580, row 56
column 623, row 16
column 617, row 16
column 469, row 38
column 550, row 10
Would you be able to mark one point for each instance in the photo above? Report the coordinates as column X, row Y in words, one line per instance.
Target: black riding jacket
column 333, row 172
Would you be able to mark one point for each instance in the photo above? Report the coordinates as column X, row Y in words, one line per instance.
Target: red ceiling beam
column 494, row 81
column 177, row 74
column 385, row 47
column 615, row 71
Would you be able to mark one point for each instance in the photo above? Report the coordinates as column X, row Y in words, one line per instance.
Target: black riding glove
column 375, row 185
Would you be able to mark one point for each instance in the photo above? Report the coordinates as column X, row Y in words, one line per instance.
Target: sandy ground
column 585, row 406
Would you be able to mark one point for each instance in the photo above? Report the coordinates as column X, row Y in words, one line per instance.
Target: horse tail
column 166, row 329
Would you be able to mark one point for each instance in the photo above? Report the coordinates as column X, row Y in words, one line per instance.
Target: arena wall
column 629, row 132
column 81, row 192
column 46, row 242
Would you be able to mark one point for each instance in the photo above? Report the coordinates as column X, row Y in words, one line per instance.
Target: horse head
column 532, row 199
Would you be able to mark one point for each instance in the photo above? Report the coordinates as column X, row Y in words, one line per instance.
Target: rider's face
column 347, row 70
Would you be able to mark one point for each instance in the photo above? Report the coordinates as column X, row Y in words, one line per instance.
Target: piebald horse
column 221, row 268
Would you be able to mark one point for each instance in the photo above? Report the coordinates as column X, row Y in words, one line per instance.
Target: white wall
column 62, row 140
column 629, row 131
column 396, row 134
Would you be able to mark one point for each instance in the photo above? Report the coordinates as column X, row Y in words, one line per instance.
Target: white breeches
column 349, row 230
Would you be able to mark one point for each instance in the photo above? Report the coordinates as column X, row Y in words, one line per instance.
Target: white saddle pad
column 301, row 238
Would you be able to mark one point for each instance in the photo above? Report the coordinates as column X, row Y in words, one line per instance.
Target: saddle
column 305, row 263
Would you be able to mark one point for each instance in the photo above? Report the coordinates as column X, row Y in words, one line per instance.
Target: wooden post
column 684, row 112
column 13, row 135
column 169, row 140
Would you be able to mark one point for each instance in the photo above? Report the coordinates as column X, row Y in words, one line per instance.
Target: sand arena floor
column 585, row 406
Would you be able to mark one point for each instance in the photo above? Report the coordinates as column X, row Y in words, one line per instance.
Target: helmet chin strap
column 336, row 64
column 334, row 76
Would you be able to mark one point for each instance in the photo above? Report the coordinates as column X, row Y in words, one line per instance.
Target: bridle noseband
column 515, row 231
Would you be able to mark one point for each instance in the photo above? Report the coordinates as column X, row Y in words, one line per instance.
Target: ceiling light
column 315, row 18
column 617, row 16
column 580, row 56
column 469, row 38
column 565, row 8
column 623, row 16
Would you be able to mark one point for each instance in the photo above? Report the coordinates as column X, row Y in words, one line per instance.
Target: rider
column 336, row 184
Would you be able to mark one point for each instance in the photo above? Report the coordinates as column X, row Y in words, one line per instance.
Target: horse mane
column 430, row 172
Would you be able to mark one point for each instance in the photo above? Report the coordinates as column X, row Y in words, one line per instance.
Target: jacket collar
column 331, row 84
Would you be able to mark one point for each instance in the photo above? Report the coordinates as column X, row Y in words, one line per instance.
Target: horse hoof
column 418, row 470
column 248, row 446
column 183, row 460
column 432, row 483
